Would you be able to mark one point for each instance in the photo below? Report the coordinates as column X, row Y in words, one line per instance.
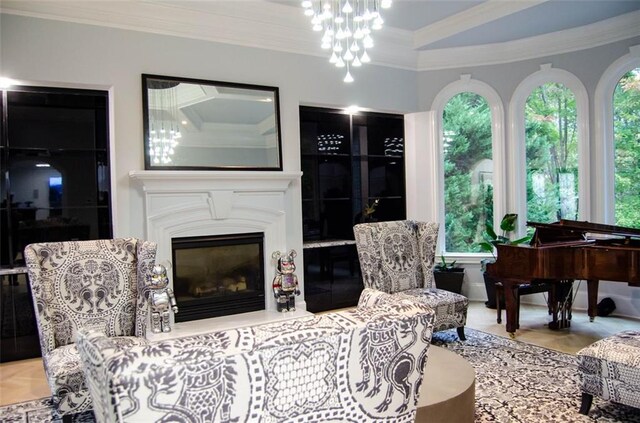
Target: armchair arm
column 95, row 350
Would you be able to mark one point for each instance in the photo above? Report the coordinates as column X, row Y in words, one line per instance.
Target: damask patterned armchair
column 78, row 285
column 360, row 365
column 397, row 257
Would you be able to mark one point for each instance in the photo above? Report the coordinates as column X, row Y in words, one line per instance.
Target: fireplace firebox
column 218, row 275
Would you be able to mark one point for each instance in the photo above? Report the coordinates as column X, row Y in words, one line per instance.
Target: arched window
column 549, row 132
column 551, row 143
column 626, row 141
column 468, row 171
column 609, row 157
column 469, row 122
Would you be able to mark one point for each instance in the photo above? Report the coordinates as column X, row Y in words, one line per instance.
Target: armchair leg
column 461, row 333
column 587, row 399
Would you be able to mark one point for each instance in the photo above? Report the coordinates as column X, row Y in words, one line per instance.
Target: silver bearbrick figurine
column 285, row 284
column 161, row 300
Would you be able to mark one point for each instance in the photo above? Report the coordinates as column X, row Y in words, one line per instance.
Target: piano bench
column 524, row 289
column 610, row 369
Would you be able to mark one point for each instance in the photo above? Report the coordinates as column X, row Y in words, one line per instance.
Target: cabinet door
column 331, row 278
column 326, row 174
column 56, row 156
column 19, row 335
column 379, row 141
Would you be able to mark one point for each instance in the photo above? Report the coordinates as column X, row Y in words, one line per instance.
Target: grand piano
column 562, row 252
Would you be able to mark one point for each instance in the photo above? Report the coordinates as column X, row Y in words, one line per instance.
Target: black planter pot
column 450, row 280
column 490, row 286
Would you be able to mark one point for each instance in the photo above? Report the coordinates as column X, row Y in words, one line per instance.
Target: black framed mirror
column 193, row 124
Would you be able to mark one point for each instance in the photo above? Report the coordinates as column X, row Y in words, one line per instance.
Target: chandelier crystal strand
column 346, row 27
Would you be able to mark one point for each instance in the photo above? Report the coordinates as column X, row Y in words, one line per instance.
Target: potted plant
column 491, row 239
column 448, row 276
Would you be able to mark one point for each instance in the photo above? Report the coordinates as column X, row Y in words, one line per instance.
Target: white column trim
column 418, row 146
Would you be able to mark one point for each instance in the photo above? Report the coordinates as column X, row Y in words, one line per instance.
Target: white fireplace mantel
column 205, row 203
column 159, row 181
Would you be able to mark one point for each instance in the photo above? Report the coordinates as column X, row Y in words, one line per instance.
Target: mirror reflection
column 194, row 124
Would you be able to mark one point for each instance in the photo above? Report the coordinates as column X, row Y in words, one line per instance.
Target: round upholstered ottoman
column 448, row 392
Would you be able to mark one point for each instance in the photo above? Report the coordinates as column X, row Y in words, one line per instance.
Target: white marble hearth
column 181, row 204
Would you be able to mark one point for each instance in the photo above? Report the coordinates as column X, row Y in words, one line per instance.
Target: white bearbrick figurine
column 161, row 300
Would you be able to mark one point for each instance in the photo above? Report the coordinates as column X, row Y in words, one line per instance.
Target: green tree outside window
column 551, row 154
column 468, row 171
column 626, row 127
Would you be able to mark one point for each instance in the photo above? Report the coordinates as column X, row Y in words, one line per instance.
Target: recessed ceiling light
column 43, row 165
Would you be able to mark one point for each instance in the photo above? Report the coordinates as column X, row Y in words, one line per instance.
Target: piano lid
column 574, row 231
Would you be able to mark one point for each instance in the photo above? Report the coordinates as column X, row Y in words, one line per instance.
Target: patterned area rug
column 515, row 382
column 518, row 382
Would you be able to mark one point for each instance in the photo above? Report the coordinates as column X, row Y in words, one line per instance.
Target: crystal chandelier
column 346, row 27
column 164, row 130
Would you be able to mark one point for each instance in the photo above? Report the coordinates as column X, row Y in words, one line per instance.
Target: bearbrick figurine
column 285, row 284
column 161, row 300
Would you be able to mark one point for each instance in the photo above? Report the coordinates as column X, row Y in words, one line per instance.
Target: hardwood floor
column 24, row 380
column 534, row 330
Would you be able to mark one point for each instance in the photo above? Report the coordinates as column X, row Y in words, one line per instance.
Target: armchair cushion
column 450, row 308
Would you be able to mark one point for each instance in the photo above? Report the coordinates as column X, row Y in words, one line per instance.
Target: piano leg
column 592, row 295
column 510, row 287
column 553, row 305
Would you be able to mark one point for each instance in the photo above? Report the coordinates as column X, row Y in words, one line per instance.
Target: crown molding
column 580, row 38
column 264, row 25
column 222, row 22
column 475, row 16
column 273, row 26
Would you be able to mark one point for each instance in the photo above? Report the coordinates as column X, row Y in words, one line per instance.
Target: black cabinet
column 349, row 162
column 54, row 148
column 54, row 186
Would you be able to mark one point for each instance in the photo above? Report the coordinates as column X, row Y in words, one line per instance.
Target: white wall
column 51, row 53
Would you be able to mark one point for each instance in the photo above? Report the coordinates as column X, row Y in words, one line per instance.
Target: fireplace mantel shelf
column 198, row 180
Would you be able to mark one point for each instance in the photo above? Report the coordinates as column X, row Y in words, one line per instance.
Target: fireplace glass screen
column 218, row 275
